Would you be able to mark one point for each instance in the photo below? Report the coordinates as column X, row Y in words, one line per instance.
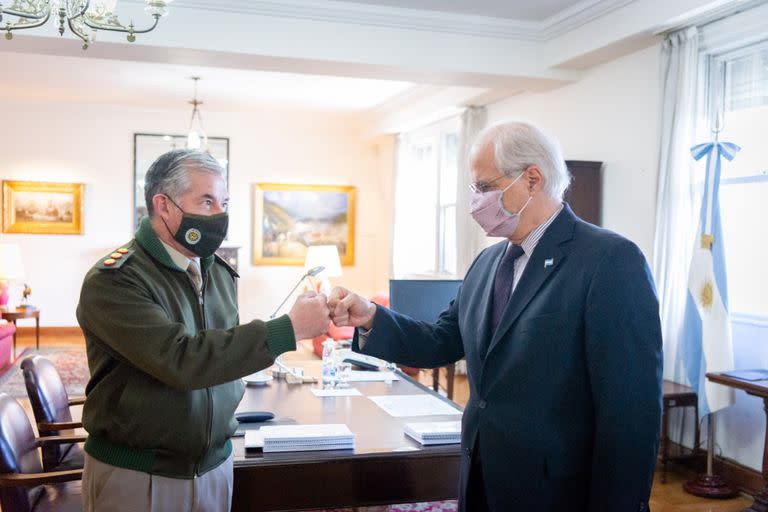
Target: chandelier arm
column 128, row 30
column 202, row 127
column 192, row 119
column 28, row 15
column 39, row 23
column 78, row 34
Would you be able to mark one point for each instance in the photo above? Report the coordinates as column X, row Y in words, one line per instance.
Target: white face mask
column 487, row 208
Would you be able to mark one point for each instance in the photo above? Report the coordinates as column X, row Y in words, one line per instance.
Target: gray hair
column 518, row 145
column 169, row 174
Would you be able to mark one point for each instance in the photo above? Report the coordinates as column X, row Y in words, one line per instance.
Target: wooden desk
column 756, row 388
column 386, row 466
column 18, row 314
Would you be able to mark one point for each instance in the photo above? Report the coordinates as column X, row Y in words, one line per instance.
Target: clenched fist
column 348, row 308
column 309, row 315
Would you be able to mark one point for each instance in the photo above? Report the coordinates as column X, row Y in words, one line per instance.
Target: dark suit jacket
column 566, row 405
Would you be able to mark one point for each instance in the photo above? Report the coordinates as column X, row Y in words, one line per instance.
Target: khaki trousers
column 109, row 488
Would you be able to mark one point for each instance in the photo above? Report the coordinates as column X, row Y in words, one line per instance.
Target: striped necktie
column 502, row 285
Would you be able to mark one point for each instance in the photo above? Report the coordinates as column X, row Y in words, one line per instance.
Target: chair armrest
column 35, row 479
column 60, row 440
column 76, row 400
column 45, row 426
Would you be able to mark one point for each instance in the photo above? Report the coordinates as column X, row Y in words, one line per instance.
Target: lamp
column 84, row 17
column 11, row 268
column 196, row 137
column 324, row 256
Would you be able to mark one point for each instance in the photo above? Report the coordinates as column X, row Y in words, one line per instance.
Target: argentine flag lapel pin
column 549, row 262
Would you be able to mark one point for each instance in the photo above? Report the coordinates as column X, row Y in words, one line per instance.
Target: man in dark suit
column 559, row 325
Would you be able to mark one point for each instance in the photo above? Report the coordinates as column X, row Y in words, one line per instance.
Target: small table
column 760, row 389
column 676, row 395
column 13, row 316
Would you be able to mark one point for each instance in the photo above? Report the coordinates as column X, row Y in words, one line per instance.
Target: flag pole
column 710, row 485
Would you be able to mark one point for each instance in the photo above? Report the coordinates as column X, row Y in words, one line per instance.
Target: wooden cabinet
column 585, row 194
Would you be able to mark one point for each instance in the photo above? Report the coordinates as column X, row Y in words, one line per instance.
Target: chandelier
column 84, row 17
column 196, row 137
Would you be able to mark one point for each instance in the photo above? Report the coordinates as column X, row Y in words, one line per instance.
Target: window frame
column 713, row 90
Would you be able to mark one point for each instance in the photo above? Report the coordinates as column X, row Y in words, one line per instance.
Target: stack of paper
column 300, row 438
column 401, row 406
column 435, row 432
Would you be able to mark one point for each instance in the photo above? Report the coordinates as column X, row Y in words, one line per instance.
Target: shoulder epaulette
column 221, row 261
column 114, row 260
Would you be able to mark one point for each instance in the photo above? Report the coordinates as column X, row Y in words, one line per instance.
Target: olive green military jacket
column 165, row 362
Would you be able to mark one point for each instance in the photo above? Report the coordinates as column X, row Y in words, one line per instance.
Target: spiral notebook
column 300, row 438
column 435, row 432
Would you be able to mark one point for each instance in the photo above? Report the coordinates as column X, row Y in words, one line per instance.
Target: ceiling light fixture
column 196, row 137
column 84, row 17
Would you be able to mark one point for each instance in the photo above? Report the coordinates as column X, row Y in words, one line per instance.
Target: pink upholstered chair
column 6, row 344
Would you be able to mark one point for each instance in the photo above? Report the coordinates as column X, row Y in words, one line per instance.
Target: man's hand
column 309, row 315
column 348, row 308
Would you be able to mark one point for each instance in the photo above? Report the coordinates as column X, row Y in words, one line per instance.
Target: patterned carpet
column 69, row 361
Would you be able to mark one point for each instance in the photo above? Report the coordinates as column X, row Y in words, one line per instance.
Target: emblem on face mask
column 192, row 236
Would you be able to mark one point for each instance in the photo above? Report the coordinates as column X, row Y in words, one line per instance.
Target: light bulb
column 193, row 140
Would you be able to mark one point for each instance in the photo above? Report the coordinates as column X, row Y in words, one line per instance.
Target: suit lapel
column 543, row 263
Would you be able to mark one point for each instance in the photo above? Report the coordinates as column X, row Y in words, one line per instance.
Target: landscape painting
column 290, row 218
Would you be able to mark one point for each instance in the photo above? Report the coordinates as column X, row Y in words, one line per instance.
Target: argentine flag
column 706, row 344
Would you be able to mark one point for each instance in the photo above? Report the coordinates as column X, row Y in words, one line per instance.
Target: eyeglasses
column 481, row 187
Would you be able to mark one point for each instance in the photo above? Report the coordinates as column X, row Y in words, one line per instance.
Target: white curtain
column 470, row 239
column 675, row 211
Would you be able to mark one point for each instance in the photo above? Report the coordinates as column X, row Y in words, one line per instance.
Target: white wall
column 611, row 115
column 93, row 144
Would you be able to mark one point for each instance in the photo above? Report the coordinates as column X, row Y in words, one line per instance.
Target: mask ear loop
column 501, row 199
column 165, row 223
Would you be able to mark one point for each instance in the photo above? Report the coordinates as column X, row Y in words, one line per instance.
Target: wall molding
column 337, row 11
column 49, row 332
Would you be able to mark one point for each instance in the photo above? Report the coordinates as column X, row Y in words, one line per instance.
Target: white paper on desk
column 335, row 392
column 367, row 376
column 413, row 405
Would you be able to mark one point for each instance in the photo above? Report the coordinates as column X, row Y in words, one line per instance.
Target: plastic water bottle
column 329, row 363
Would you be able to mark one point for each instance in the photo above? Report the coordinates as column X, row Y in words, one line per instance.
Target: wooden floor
column 668, row 497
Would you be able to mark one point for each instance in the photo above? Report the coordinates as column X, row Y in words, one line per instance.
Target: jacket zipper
column 209, row 409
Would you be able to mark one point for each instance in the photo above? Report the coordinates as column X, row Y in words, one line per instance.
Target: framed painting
column 147, row 147
column 290, row 218
column 42, row 208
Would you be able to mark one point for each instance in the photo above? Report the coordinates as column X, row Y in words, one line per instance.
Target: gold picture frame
column 287, row 219
column 42, row 208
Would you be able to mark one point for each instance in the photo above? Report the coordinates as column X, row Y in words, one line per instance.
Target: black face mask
column 201, row 234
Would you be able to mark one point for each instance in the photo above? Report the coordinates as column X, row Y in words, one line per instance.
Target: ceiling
column 378, row 57
column 168, row 85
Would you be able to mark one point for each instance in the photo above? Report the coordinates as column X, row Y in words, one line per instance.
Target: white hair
column 517, row 146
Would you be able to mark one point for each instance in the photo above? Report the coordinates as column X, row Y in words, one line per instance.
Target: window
column 742, row 76
column 425, row 202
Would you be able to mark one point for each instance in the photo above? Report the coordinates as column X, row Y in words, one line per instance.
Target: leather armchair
column 24, row 487
column 51, row 407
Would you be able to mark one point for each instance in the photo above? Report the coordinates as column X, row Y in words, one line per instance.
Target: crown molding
column 337, row 11
column 578, row 15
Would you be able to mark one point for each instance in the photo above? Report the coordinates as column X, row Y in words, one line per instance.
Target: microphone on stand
column 309, row 273
column 278, row 360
